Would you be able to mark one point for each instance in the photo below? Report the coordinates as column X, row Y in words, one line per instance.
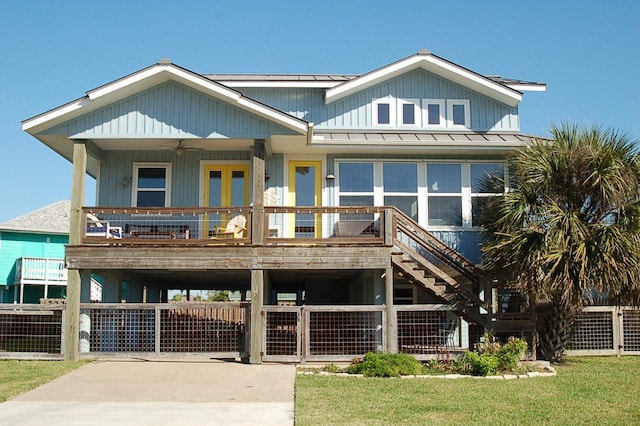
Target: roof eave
column 434, row 64
column 149, row 77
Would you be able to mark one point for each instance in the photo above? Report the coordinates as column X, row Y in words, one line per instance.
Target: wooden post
column 391, row 329
column 388, row 227
column 257, row 285
column 74, row 280
column 257, row 214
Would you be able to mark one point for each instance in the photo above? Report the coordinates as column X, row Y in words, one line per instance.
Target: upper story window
column 409, row 112
column 151, row 185
column 384, row 111
column 425, row 113
column 433, row 110
column 458, row 113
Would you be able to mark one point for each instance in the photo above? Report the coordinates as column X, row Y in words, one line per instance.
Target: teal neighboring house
column 32, row 255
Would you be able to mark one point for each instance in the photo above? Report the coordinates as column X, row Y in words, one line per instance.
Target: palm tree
column 568, row 226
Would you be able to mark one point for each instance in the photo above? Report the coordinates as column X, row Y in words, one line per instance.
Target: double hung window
column 151, row 185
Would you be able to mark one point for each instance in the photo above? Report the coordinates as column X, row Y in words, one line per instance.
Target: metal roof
column 444, row 137
column 51, row 219
column 330, row 78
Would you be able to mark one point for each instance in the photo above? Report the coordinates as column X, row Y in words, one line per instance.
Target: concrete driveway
column 160, row 393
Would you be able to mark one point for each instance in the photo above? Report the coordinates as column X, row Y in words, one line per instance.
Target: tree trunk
column 555, row 325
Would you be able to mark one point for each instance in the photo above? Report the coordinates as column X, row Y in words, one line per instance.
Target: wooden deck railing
column 40, row 270
column 232, row 225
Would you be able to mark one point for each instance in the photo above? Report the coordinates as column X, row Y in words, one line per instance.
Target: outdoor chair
column 97, row 227
column 235, row 228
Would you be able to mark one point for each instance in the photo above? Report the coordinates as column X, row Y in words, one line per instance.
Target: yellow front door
column 305, row 189
column 225, row 186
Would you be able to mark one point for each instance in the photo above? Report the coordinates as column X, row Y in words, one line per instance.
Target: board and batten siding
column 185, row 191
column 355, row 111
column 170, row 110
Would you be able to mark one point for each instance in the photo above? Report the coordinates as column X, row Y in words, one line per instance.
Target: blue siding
column 170, row 110
column 467, row 243
column 354, row 112
column 185, row 169
column 14, row 245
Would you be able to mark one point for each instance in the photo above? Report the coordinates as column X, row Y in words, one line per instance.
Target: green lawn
column 589, row 391
column 18, row 377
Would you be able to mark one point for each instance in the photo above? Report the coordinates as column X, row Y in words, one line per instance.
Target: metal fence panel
column 630, row 326
column 122, row 329
column 343, row 332
column 426, row 332
column 595, row 332
column 31, row 329
column 282, row 336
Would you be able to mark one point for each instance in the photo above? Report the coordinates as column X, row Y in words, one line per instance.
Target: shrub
column 386, row 365
column 484, row 364
column 509, row 354
column 332, row 368
column 492, row 356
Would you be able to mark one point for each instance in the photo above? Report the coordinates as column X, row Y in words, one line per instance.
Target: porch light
column 330, row 177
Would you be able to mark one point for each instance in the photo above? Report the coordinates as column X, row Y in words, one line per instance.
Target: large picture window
column 433, row 193
column 151, row 185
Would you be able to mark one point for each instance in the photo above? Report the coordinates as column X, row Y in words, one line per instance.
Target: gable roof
column 51, row 219
column 432, row 63
column 152, row 76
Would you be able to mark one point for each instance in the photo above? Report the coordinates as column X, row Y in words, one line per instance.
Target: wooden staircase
column 426, row 261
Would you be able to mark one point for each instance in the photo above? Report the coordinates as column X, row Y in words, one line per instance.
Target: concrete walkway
column 159, row 393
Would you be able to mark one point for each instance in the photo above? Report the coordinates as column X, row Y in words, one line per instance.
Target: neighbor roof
column 51, row 219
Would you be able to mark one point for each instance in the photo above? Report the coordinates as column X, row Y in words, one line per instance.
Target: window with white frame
column 433, row 193
column 409, row 112
column 384, row 111
column 487, row 182
column 444, row 189
column 151, row 185
column 400, row 187
column 458, row 113
column 433, row 112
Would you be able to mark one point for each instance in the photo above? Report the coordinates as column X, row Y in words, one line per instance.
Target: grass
column 593, row 391
column 18, row 377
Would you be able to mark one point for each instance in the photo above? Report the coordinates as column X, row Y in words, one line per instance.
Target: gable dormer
column 423, row 92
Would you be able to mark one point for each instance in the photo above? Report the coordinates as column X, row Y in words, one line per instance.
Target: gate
column 322, row 333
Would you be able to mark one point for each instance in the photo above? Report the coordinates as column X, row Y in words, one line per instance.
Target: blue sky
column 587, row 52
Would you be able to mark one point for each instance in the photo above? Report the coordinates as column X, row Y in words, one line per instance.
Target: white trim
column 134, row 182
column 467, row 113
column 425, row 113
column 528, row 87
column 391, row 101
column 417, row 112
column 163, row 72
column 433, row 64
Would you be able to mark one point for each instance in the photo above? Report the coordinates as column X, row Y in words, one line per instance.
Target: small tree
column 569, row 225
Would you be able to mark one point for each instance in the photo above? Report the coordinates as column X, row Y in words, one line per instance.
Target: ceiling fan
column 180, row 148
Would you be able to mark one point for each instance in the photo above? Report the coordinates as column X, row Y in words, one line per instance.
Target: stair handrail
column 427, row 240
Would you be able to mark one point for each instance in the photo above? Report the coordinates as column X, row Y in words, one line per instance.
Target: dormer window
column 433, row 112
column 384, row 111
column 409, row 112
column 458, row 113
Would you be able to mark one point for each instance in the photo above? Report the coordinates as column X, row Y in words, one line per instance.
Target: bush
column 386, row 365
column 484, row 364
column 491, row 356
